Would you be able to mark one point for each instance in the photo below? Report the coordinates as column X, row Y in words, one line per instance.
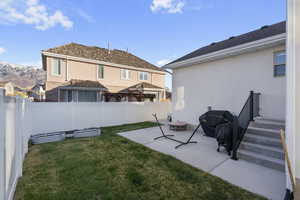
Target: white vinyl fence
column 52, row 117
column 20, row 118
column 15, row 130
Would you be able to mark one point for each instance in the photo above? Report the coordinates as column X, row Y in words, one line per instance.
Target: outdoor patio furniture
column 178, row 126
column 181, row 143
column 211, row 119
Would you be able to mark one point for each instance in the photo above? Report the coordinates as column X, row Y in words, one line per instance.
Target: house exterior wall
column 82, row 71
column 9, row 89
column 56, row 78
column 225, row 84
column 89, row 71
column 158, row 79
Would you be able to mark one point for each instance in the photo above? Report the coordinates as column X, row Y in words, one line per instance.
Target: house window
column 144, row 76
column 87, row 96
column 66, row 96
column 125, row 74
column 100, row 71
column 56, row 66
column 279, row 63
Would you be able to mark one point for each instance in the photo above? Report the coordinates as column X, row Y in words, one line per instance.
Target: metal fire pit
column 178, row 126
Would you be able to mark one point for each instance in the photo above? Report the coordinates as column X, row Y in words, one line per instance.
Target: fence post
column 26, row 127
column 2, row 147
column 19, row 136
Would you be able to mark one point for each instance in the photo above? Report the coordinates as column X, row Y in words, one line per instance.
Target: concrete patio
column 203, row 155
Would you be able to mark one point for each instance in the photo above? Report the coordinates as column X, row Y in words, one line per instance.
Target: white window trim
column 127, row 72
column 274, row 63
column 52, row 72
column 98, row 72
column 148, row 76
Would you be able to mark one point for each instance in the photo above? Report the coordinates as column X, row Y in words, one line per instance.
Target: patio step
column 261, row 144
column 263, row 150
column 271, row 121
column 263, row 160
column 262, row 140
column 263, row 132
column 267, row 124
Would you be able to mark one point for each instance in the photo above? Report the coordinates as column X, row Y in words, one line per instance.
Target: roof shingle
column 96, row 53
column 263, row 32
column 140, row 86
column 83, row 83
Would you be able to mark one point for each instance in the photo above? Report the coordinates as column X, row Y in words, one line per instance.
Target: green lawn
column 112, row 167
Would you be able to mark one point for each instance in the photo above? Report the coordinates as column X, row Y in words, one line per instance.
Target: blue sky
column 155, row 30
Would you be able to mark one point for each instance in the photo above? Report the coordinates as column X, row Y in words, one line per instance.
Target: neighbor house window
column 56, row 66
column 279, row 63
column 100, row 71
column 125, row 74
column 144, row 76
column 87, row 96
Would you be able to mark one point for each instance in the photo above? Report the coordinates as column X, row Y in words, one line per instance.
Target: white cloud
column 33, row 13
column 85, row 15
column 163, row 62
column 169, row 6
column 2, row 50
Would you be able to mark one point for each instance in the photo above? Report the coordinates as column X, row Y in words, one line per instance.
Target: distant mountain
column 22, row 76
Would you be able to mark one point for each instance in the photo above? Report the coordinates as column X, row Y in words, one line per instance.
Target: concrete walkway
column 203, row 155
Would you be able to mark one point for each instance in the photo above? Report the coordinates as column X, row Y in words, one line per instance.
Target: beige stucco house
column 8, row 88
column 87, row 74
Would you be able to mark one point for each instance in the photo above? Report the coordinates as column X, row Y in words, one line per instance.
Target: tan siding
column 82, row 71
column 50, row 76
column 158, row 79
column 88, row 71
column 51, row 85
column 112, row 77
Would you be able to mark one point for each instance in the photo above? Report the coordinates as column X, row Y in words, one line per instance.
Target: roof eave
column 82, row 88
column 232, row 51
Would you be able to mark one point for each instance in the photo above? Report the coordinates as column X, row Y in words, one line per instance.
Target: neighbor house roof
column 145, row 85
column 37, row 86
column 83, row 84
column 101, row 54
column 262, row 33
column 141, row 86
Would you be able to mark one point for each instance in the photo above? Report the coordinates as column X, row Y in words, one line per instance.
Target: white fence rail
column 19, row 119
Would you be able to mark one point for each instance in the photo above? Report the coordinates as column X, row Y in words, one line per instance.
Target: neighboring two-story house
column 82, row 73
